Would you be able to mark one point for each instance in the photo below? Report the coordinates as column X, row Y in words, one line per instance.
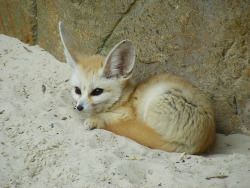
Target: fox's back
column 177, row 110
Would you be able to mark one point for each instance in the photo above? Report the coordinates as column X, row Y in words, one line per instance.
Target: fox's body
column 165, row 112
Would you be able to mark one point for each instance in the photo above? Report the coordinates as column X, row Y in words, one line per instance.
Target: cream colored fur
column 165, row 112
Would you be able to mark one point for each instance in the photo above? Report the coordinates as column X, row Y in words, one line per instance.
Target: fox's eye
column 77, row 90
column 96, row 92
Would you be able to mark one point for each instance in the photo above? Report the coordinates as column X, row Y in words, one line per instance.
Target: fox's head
column 97, row 81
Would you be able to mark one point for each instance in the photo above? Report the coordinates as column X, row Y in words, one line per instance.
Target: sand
column 43, row 142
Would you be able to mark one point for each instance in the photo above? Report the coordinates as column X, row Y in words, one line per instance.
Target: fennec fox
column 165, row 112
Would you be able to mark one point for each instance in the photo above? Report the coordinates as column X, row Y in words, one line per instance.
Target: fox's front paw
column 93, row 123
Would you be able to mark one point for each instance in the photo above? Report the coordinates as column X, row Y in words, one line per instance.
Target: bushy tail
column 138, row 131
column 144, row 135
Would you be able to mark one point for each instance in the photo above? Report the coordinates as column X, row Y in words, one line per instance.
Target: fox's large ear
column 73, row 50
column 120, row 61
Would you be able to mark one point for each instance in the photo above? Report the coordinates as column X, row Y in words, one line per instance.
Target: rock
column 206, row 42
column 18, row 19
column 92, row 22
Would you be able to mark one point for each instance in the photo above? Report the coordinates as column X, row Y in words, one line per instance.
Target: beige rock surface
column 206, row 42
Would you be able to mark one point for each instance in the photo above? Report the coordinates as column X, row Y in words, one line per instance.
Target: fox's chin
column 98, row 109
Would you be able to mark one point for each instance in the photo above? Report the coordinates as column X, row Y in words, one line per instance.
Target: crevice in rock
column 147, row 62
column 226, row 50
column 77, row 1
column 114, row 27
column 236, row 106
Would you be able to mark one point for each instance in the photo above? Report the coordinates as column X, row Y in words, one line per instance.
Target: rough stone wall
column 18, row 19
column 206, row 42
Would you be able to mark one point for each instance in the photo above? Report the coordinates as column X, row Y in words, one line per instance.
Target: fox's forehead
column 91, row 64
column 87, row 73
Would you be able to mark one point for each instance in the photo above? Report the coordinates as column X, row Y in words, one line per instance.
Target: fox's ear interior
column 120, row 61
column 73, row 50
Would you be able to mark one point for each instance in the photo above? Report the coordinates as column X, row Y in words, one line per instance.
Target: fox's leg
column 94, row 122
column 102, row 119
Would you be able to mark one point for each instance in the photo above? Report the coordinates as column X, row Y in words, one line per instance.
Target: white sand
column 39, row 149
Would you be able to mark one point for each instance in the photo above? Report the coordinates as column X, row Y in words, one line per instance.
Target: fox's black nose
column 80, row 108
